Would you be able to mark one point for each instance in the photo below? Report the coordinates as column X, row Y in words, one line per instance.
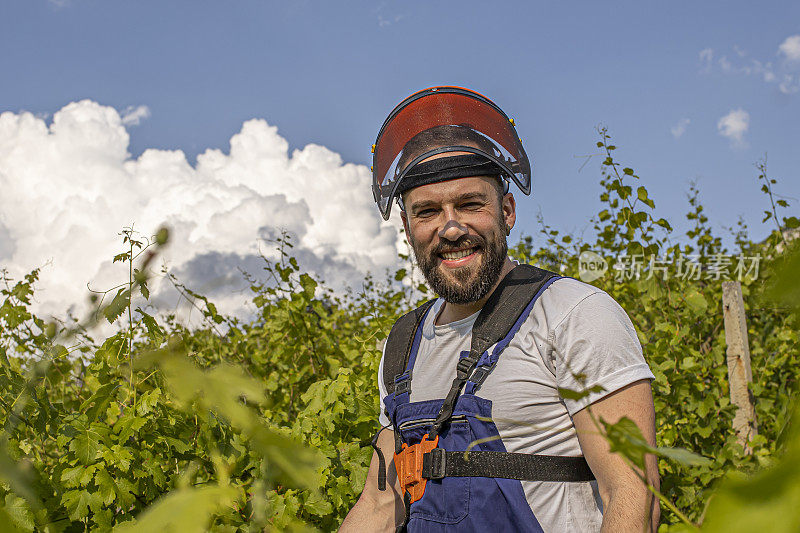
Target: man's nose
column 453, row 229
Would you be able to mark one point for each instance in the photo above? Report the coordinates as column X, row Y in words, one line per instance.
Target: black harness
column 503, row 308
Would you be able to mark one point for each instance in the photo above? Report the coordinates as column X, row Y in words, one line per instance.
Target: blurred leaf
column 784, row 288
column 18, row 513
column 569, row 394
column 768, row 500
column 626, row 439
column 182, row 511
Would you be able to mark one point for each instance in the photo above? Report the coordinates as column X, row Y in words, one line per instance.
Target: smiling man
column 485, row 367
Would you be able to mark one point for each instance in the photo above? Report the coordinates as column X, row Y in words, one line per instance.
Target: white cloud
column 734, row 125
column 680, row 128
column 133, row 116
column 790, row 48
column 783, row 74
column 706, row 58
column 69, row 187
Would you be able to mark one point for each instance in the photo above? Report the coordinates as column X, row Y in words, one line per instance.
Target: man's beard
column 471, row 283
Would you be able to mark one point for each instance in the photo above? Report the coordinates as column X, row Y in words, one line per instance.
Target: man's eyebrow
column 422, row 204
column 471, row 196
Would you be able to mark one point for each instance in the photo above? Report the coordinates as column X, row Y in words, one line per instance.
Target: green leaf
column 316, row 504
column 78, row 476
column 184, row 510
column 19, row 513
column 98, row 402
column 154, row 331
column 19, row 476
column 696, row 301
column 128, row 425
column 162, row 236
column 308, row 284
column 78, row 503
column 569, row 394
column 768, row 500
column 641, row 193
column 144, row 289
column 117, row 305
column 86, row 444
column 626, row 439
column 106, row 487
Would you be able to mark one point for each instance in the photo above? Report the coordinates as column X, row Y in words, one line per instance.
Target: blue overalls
column 465, row 504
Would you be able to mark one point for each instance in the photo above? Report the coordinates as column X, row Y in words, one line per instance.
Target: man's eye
column 426, row 213
column 472, row 205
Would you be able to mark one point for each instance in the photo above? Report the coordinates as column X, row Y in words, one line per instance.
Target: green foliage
column 246, row 425
column 679, row 323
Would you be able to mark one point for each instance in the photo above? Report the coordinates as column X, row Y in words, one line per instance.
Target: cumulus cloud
column 790, row 48
column 133, row 116
column 680, row 128
column 783, row 73
column 70, row 186
column 734, row 125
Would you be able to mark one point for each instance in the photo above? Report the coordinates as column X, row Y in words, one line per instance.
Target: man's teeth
column 452, row 256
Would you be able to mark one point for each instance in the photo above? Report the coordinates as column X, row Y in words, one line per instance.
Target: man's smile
column 457, row 258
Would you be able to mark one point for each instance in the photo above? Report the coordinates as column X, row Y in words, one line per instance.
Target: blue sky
column 661, row 76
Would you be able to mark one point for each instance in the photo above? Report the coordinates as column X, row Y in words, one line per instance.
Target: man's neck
column 452, row 312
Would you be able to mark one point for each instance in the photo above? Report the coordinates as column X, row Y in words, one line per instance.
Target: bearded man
column 492, row 394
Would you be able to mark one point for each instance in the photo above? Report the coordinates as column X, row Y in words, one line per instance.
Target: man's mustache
column 465, row 241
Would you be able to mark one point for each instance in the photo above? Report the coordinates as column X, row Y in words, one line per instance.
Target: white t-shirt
column 574, row 329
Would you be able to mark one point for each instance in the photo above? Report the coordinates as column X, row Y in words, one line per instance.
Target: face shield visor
column 437, row 121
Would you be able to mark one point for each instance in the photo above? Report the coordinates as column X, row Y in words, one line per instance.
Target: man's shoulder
column 566, row 295
column 568, row 292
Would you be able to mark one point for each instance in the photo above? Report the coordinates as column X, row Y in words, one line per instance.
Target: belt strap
column 439, row 463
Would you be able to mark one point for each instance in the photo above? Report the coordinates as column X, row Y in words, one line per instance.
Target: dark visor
column 440, row 120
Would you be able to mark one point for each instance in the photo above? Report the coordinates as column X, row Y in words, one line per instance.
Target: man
column 446, row 154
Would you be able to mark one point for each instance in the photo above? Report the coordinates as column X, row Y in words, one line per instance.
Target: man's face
column 457, row 229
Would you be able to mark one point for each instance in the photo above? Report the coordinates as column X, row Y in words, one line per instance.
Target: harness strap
column 439, row 463
column 497, row 317
column 400, row 344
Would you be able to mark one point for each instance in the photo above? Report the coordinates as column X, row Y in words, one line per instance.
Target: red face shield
column 440, row 120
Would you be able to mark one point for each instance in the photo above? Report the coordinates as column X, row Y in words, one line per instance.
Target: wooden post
column 738, row 355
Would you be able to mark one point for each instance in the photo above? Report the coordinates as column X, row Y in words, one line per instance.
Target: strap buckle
column 402, row 383
column 479, row 375
column 434, row 464
column 464, row 365
column 409, row 466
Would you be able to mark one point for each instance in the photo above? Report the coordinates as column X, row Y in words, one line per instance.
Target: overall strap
column 497, row 318
column 401, row 347
column 487, row 361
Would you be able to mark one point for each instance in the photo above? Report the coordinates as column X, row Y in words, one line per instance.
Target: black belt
column 439, row 463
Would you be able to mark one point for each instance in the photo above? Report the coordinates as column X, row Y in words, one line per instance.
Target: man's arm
column 627, row 503
column 378, row 510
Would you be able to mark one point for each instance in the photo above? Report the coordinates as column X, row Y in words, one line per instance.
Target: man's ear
column 404, row 217
column 509, row 209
